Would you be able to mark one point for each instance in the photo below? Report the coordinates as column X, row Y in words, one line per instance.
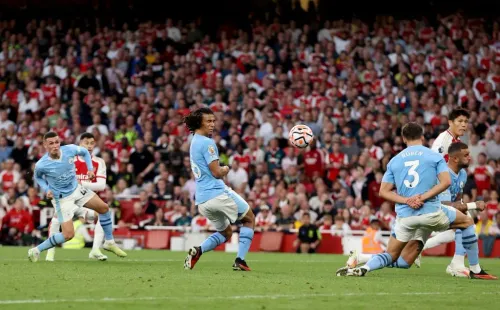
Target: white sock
column 98, row 236
column 441, row 238
column 458, row 261
column 54, row 228
column 475, row 268
column 363, row 258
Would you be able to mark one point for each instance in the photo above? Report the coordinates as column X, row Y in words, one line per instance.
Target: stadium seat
column 271, row 241
column 157, row 239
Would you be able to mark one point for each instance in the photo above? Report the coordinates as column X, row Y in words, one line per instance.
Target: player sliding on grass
column 98, row 184
column 419, row 176
column 459, row 159
column 56, row 176
column 217, row 202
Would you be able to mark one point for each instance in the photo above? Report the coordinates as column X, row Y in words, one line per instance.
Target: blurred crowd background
column 355, row 79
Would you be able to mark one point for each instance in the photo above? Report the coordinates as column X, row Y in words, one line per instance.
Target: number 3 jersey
column 414, row 171
column 202, row 152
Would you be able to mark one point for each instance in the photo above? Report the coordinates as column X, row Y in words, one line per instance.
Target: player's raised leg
column 469, row 242
column 95, row 203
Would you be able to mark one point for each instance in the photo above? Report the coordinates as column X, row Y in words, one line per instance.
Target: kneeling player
column 459, row 159
column 217, row 202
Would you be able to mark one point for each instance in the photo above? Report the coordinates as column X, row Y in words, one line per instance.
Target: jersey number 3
column 413, row 164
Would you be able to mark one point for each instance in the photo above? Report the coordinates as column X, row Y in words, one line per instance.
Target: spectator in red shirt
column 373, row 189
column 483, row 174
column 313, row 162
column 17, row 225
column 137, row 218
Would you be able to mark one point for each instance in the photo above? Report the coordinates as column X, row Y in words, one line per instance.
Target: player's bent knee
column 68, row 235
column 249, row 219
column 227, row 233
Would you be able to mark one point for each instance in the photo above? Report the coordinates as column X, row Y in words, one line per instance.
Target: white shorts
column 72, row 205
column 224, row 209
column 420, row 227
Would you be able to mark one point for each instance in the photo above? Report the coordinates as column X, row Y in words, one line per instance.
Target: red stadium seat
column 271, row 241
column 157, row 239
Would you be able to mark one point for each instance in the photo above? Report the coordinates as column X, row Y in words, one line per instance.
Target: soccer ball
column 300, row 136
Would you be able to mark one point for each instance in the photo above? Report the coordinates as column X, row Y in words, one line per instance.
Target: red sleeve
column 6, row 219
column 29, row 222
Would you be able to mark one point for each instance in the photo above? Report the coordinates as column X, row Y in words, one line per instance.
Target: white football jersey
column 443, row 142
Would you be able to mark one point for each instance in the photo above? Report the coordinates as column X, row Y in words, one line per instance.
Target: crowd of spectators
column 355, row 84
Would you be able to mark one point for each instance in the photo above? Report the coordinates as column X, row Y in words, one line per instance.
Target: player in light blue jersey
column 55, row 175
column 217, row 202
column 459, row 159
column 419, row 175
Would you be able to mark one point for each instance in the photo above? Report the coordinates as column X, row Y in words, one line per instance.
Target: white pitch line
column 239, row 297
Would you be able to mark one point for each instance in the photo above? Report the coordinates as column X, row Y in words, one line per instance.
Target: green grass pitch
column 157, row 280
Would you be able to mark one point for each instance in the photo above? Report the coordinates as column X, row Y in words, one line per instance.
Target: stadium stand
column 353, row 82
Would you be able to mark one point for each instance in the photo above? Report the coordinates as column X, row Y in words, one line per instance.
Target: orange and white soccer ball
column 300, row 136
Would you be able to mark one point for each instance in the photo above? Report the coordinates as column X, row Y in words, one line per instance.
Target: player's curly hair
column 194, row 119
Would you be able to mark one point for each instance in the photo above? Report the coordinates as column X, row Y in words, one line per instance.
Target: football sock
column 246, row 236
column 459, row 257
column 441, row 238
column 107, row 226
column 98, row 236
column 213, row 241
column 469, row 241
column 378, row 261
column 56, row 239
column 400, row 263
column 363, row 258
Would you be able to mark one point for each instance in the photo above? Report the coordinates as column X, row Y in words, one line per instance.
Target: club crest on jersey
column 440, row 150
column 211, row 150
column 71, row 160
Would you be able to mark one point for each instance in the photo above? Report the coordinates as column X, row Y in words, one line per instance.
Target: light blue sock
column 107, row 225
column 51, row 242
column 459, row 247
column 469, row 242
column 400, row 263
column 246, row 236
column 213, row 241
column 379, row 261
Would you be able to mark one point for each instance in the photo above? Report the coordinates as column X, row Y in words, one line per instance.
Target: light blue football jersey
column 58, row 175
column 457, row 186
column 414, row 171
column 202, row 152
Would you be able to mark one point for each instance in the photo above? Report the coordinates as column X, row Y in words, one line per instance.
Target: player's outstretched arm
column 444, row 183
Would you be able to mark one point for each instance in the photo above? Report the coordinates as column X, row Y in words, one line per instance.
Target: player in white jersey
column 458, row 121
column 87, row 141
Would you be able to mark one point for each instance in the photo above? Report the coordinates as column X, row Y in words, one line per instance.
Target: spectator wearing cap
column 327, row 210
column 265, row 219
column 308, row 237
